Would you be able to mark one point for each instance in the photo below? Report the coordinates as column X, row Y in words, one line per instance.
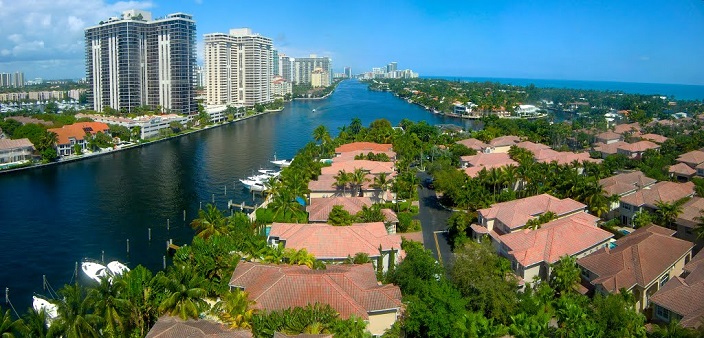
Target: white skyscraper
column 239, row 68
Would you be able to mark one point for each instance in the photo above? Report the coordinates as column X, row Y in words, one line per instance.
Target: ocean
column 679, row 91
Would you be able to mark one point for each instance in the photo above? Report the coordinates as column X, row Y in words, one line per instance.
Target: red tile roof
column 662, row 191
column 608, row 136
column 637, row 259
column 639, row 146
column 8, row 144
column 627, row 182
column 515, row 214
column 78, row 131
column 351, row 289
column 566, row 236
column 473, row 143
column 623, row 128
column 372, row 167
column 504, row 141
column 320, row 208
column 173, row 327
column 486, row 161
column 654, row 137
column 325, row 241
column 567, row 157
column 692, row 158
column 681, row 169
column 609, row 149
column 350, row 155
column 533, row 147
column 25, row 120
column 691, row 212
column 363, row 146
column 327, row 183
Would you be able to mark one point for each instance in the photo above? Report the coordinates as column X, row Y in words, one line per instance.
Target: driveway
column 433, row 220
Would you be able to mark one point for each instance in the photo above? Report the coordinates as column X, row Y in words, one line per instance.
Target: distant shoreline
column 679, row 91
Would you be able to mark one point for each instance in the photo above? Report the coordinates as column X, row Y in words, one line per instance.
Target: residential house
column 641, row 263
column 532, row 252
column 511, row 216
column 609, row 137
column 647, row 199
column 351, row 155
column 319, row 209
column 682, row 297
column 636, row 150
column 336, row 243
column 371, row 167
column 689, row 219
column 681, row 172
column 326, row 186
column 15, row 151
column 70, row 135
column 475, row 144
column 692, row 158
column 633, row 128
column 174, row 327
column 351, row 289
column 503, row 144
column 622, row 185
column 659, row 139
column 608, row 149
column 476, row 163
column 363, row 146
column 26, row 119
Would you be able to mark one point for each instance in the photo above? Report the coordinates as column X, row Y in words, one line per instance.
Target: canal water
column 53, row 217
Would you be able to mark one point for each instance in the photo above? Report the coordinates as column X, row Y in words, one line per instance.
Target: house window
column 662, row 312
column 664, row 279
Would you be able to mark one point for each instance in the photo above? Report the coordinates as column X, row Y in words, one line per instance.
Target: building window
column 664, row 279
column 662, row 312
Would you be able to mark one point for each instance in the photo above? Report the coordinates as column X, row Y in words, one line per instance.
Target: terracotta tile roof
column 327, row 183
column 692, row 158
column 514, row 214
column 567, row 157
column 413, row 236
column 486, row 161
column 372, row 167
column 639, row 146
column 363, row 146
column 566, row 236
column 350, row 155
column 609, row 149
column 504, row 141
column 8, row 144
column 473, row 143
column 685, row 296
column 654, row 137
column 77, row 131
column 543, row 155
column 637, row 259
column 627, row 182
column 662, row 191
column 608, row 136
column 390, row 215
column 691, row 212
column 681, row 169
column 320, row 208
column 325, row 241
column 351, row 289
column 173, row 327
column 25, row 120
column 528, row 145
column 622, row 128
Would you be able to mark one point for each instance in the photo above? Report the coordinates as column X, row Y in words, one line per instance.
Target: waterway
column 52, row 217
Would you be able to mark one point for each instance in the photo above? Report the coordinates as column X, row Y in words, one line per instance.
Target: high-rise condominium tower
column 134, row 60
column 239, row 68
column 303, row 69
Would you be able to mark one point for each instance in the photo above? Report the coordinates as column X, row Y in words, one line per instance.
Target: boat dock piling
column 149, row 234
column 128, row 246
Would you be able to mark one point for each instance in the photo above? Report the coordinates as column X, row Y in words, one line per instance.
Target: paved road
column 433, row 219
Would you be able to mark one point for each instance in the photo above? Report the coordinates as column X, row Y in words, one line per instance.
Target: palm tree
column 234, row 308
column 358, row 178
column 48, row 140
column 139, row 292
column 74, row 317
column 285, row 206
column 321, row 134
column 381, row 182
column 210, row 222
column 341, row 180
column 668, row 212
column 184, row 292
column 107, row 302
column 35, row 325
column 8, row 327
column 699, row 229
column 299, row 257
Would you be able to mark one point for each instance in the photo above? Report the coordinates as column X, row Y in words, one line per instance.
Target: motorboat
column 39, row 304
column 94, row 270
column 258, row 187
column 116, row 268
column 281, row 163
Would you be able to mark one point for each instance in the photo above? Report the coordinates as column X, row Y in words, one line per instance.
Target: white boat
column 94, row 271
column 257, row 187
column 281, row 163
column 50, row 309
column 314, row 110
column 116, row 268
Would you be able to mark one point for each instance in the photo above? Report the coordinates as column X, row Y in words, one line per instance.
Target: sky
column 626, row 41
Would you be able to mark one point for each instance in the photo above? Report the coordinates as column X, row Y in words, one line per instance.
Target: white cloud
column 38, row 33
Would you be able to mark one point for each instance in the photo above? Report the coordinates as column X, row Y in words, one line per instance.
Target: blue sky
column 630, row 41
